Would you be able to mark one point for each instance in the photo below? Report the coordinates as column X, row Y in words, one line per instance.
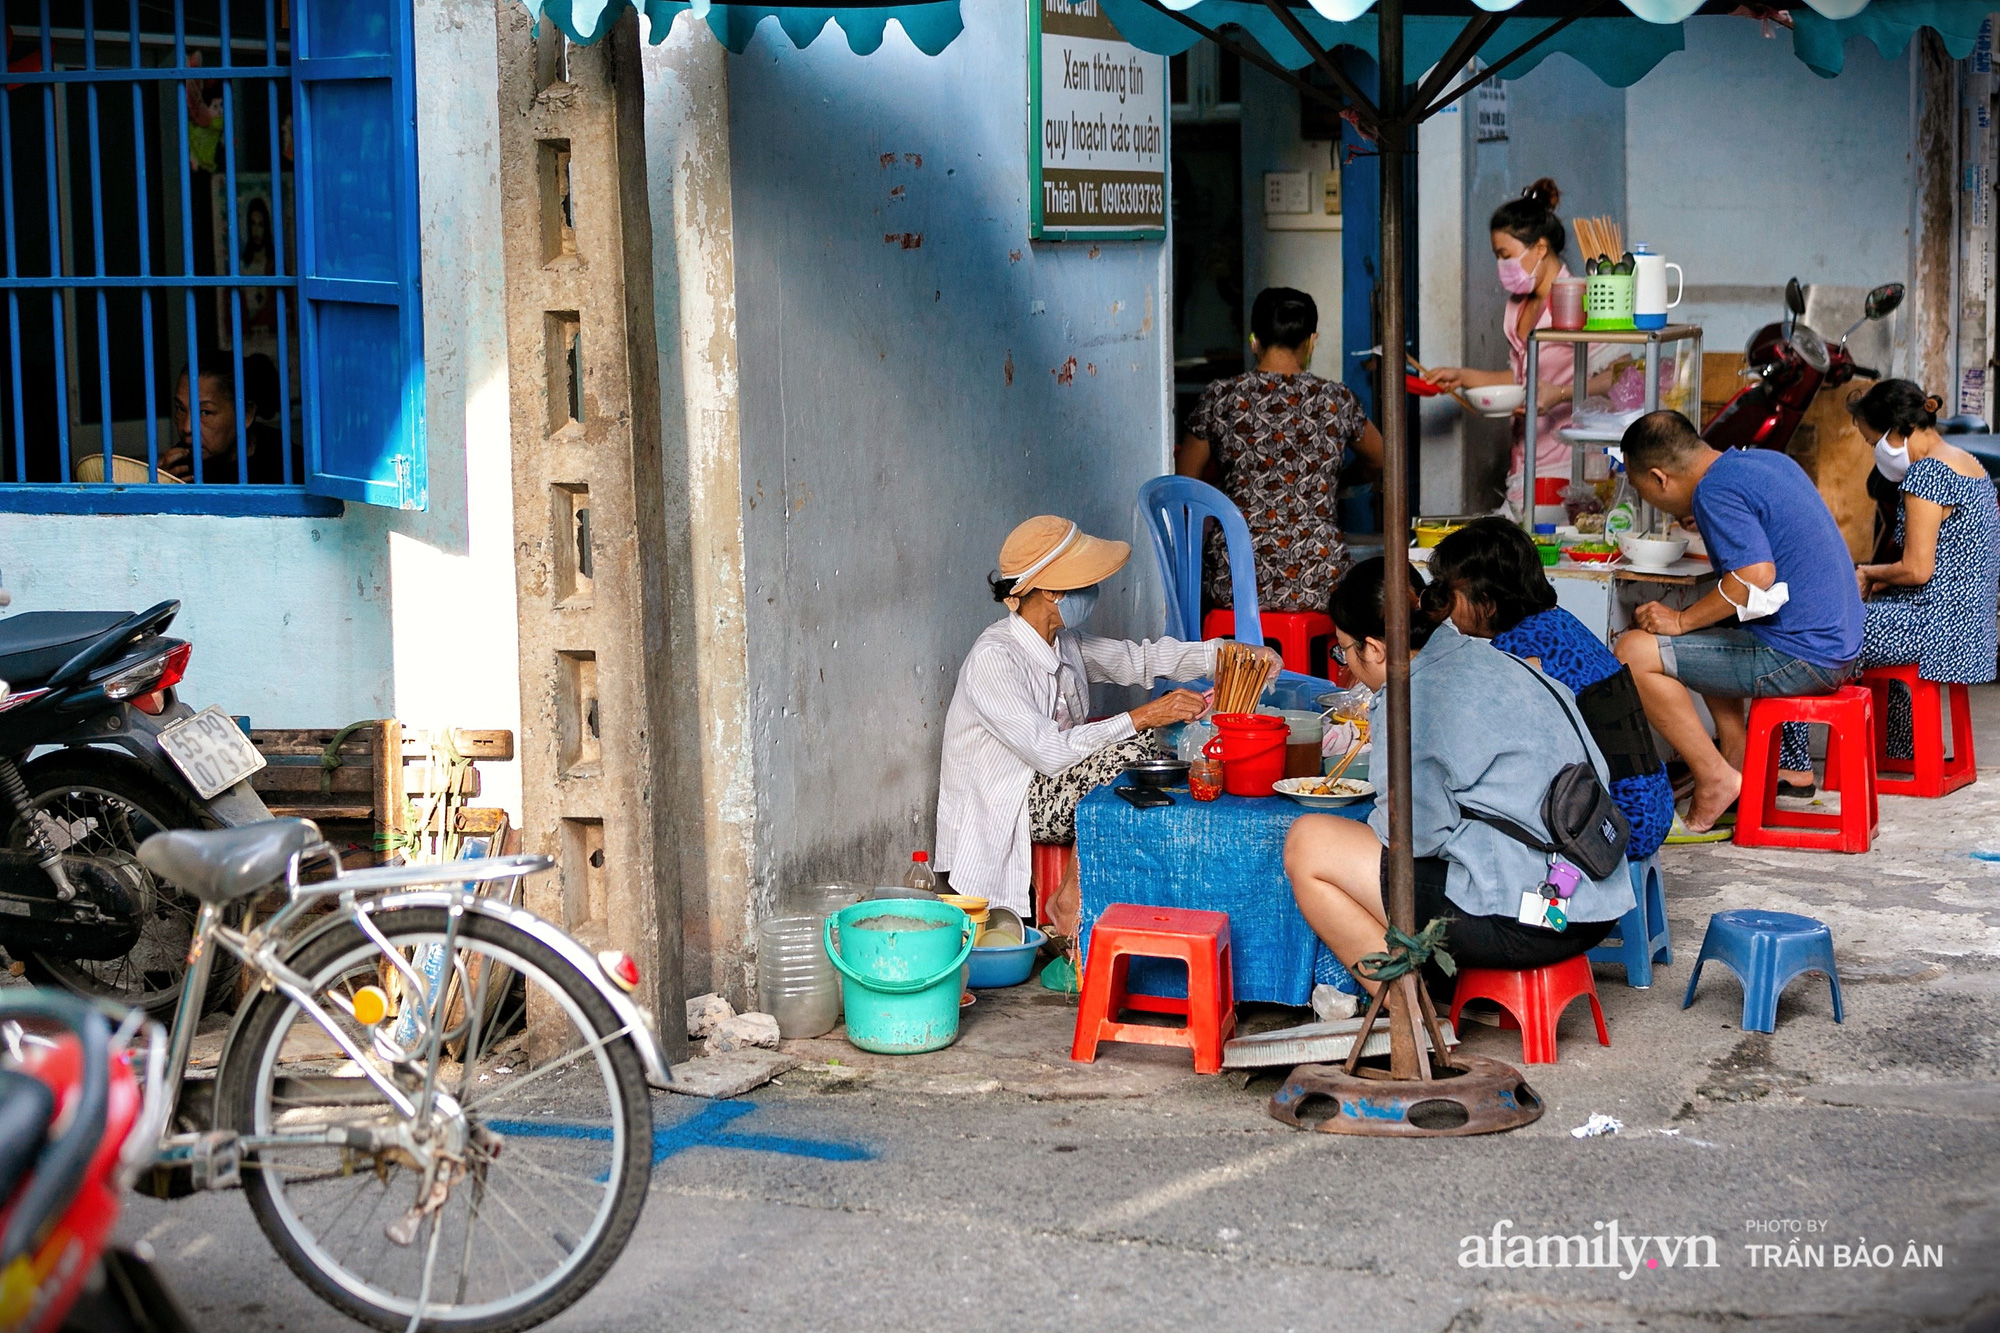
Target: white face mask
column 1759, row 602
column 1076, row 604
column 1891, row 460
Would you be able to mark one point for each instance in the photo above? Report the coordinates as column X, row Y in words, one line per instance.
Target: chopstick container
column 1607, row 301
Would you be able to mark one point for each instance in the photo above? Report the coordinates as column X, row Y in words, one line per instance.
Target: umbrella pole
column 1417, row 1096
column 1399, row 893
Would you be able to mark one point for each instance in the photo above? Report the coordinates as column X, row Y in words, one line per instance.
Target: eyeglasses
column 1335, row 652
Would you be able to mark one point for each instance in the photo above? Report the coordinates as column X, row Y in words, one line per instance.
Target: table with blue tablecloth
column 1225, row 855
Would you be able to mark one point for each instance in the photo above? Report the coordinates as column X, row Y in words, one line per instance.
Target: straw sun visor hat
column 1055, row 554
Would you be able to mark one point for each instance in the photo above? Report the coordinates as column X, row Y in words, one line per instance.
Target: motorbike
column 1789, row 364
column 117, row 757
column 81, row 1106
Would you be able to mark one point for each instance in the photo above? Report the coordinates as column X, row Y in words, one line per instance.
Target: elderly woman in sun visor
column 1020, row 749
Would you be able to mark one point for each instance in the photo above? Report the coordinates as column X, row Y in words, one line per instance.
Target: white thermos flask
column 1649, row 288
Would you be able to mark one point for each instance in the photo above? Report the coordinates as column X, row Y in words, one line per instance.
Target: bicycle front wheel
column 500, row 1203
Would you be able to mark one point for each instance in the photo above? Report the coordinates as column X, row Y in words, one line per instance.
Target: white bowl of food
column 1319, row 794
column 1651, row 552
column 1498, row 400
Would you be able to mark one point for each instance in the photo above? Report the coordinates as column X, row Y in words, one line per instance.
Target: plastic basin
column 1005, row 965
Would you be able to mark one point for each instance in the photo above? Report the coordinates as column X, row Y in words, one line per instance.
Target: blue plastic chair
column 1176, row 508
column 1642, row 937
column 1766, row 951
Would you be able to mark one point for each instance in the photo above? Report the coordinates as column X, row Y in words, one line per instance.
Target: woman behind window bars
column 217, row 406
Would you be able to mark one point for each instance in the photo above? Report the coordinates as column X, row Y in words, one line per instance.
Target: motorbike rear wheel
column 111, row 810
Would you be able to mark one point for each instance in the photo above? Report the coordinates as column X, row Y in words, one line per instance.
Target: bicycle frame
column 260, row 948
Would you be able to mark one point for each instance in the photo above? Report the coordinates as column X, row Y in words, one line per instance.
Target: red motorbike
column 81, row 1107
column 1790, row 364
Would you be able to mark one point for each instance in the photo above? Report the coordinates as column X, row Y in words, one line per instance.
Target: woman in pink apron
column 1528, row 242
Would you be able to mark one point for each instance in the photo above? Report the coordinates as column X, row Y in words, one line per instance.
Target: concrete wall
column 1562, row 123
column 904, row 404
column 1443, row 261
column 1281, row 257
column 1696, row 160
column 1746, row 168
column 322, row 621
column 1565, row 124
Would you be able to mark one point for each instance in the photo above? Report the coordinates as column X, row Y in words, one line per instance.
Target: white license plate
column 211, row 752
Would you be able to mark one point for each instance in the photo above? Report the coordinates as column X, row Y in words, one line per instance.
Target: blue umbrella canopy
column 931, row 26
column 1618, row 47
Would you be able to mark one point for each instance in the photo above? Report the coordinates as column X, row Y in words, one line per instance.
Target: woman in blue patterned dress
column 1935, row 606
column 1487, row 577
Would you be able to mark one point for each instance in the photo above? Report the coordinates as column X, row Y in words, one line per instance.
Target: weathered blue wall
column 289, row 617
column 320, row 622
column 1746, row 168
column 917, row 377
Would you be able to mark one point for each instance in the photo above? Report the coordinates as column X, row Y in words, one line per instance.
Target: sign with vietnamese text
column 1098, row 155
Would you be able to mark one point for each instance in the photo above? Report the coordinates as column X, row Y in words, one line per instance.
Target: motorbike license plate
column 211, row 752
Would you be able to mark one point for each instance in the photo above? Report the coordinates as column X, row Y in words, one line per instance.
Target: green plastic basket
column 1607, row 301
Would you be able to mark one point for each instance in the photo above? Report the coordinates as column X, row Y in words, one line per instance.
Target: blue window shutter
column 361, row 340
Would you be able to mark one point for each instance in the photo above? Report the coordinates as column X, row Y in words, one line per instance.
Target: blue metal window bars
column 149, row 241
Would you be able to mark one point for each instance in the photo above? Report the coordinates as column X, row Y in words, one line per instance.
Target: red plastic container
column 1251, row 747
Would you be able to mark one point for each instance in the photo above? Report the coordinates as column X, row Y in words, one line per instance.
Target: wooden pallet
column 362, row 803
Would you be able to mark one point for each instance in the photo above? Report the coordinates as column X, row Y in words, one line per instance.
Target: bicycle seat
column 26, row 1108
column 34, row 644
column 221, row 865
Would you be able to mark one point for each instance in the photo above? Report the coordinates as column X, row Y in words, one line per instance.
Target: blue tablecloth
column 1225, row 855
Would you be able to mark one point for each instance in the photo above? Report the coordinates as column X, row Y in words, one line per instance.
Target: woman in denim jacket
column 1487, row 733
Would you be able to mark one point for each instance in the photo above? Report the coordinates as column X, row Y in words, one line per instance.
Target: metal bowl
column 1159, row 772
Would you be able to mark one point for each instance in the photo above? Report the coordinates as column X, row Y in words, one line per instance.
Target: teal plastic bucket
column 901, row 958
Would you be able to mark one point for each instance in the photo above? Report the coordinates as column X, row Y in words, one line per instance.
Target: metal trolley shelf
column 1650, row 339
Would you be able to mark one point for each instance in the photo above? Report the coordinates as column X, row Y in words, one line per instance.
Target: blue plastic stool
column 1766, row 950
column 1642, row 937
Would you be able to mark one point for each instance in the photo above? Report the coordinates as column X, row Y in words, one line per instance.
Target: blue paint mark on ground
column 1984, row 856
column 704, row 1129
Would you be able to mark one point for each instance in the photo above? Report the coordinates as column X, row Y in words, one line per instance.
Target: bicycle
column 436, row 1102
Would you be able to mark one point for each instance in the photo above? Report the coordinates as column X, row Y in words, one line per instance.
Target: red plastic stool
column 1051, row 861
column 1199, row 939
column 1533, row 1001
column 1848, row 714
column 1929, row 773
column 1294, row 631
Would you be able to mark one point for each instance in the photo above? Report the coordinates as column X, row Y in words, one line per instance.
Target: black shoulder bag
column 1585, row 825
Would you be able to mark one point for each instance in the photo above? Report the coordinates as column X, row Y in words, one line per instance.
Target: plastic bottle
column 920, row 875
column 1623, row 515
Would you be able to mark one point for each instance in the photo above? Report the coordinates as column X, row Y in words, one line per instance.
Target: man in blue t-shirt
column 1787, row 577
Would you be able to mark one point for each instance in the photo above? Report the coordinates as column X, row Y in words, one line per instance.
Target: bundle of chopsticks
column 1601, row 237
column 1241, row 675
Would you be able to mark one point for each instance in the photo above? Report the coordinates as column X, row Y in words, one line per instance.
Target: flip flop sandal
column 1798, row 791
column 1680, row 835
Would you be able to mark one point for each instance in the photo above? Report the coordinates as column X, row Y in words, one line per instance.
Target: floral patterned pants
column 1052, row 800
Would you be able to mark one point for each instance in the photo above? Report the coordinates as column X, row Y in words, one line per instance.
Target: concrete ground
column 1005, row 1188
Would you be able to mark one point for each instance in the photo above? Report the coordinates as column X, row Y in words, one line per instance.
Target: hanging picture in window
column 256, row 252
column 204, row 114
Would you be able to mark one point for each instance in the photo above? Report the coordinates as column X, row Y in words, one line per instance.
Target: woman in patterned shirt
column 1278, row 435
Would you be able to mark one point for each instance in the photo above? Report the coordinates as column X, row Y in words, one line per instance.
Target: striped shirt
column 1017, row 712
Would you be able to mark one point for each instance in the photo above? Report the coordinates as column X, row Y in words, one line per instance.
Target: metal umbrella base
column 1474, row 1095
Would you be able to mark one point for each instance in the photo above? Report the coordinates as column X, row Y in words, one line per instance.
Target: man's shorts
column 1730, row 662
